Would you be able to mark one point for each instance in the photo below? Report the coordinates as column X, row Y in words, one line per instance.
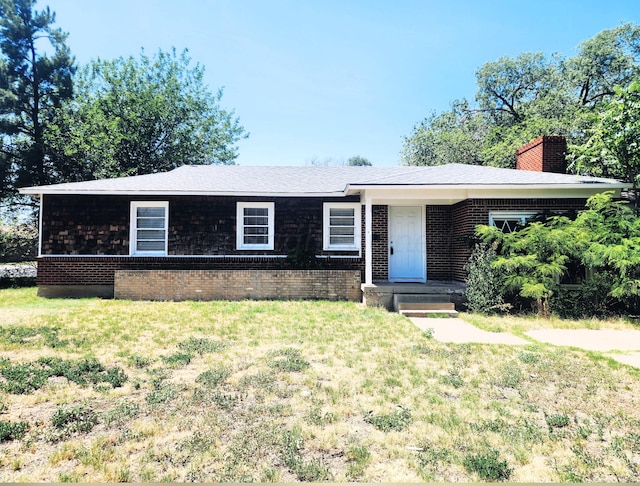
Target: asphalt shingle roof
column 220, row 179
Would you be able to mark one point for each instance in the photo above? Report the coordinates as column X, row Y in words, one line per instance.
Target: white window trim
column 134, row 229
column 240, row 244
column 357, row 213
column 521, row 215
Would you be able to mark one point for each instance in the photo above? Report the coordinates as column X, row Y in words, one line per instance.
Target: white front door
column 407, row 244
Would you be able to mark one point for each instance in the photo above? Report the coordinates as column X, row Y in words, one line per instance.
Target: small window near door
column 149, row 223
column 509, row 221
column 255, row 227
column 341, row 226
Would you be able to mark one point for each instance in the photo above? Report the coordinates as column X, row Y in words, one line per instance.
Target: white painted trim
column 368, row 242
column 40, row 225
column 447, row 195
column 357, row 218
column 521, row 215
column 39, row 191
column 133, row 218
column 350, row 189
column 240, row 207
column 423, row 244
column 166, row 256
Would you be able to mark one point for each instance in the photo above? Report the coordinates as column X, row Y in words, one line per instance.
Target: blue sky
column 329, row 78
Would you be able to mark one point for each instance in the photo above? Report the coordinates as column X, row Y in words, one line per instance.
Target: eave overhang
column 432, row 193
column 452, row 194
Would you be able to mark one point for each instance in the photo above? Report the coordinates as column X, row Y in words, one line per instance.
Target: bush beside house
column 532, row 263
column 18, row 243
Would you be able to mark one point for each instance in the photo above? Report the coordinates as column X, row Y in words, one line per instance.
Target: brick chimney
column 544, row 154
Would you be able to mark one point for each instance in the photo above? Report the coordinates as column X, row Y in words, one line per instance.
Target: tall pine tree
column 36, row 72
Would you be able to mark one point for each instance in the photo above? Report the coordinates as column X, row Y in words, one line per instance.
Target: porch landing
column 382, row 293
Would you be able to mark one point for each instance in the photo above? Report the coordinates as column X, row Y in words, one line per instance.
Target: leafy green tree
column 611, row 58
column 610, row 232
column 605, row 237
column 138, row 116
column 483, row 292
column 612, row 148
column 356, row 160
column 531, row 261
column 519, row 99
column 35, row 80
column 452, row 137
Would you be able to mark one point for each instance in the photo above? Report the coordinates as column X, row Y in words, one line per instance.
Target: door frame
column 423, row 244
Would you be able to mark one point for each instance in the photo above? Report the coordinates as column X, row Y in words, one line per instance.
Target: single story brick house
column 235, row 232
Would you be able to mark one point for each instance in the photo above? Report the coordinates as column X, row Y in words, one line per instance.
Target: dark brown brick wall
column 439, row 230
column 198, row 225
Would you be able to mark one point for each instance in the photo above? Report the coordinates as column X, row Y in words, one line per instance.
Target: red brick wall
column 544, row 154
column 380, row 242
column 439, row 230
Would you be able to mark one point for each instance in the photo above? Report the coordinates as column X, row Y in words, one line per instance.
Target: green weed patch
column 398, row 420
column 288, row 359
column 69, row 419
column 201, row 345
column 23, row 378
column 32, row 336
column 488, row 466
column 12, row 430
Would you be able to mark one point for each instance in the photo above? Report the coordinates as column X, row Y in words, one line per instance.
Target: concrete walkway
column 455, row 330
column 625, row 340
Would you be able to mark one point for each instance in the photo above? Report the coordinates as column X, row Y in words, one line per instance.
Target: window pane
column 256, row 240
column 342, row 224
column 341, row 212
column 151, row 235
column 341, row 240
column 150, row 223
column 341, row 221
column 256, row 211
column 256, row 230
column 256, row 220
column 507, row 225
column 150, row 245
column 341, row 231
column 150, row 212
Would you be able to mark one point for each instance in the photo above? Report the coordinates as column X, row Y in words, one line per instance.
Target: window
column 149, row 221
column 508, row 221
column 341, row 228
column 255, row 229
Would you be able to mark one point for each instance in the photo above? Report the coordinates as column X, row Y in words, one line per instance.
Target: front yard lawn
column 98, row 390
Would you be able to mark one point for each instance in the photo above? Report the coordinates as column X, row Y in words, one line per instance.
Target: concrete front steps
column 424, row 305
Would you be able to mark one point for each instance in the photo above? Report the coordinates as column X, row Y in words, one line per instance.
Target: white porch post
column 40, row 224
column 368, row 257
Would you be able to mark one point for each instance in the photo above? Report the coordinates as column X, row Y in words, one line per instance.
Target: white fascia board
column 438, row 194
column 39, row 191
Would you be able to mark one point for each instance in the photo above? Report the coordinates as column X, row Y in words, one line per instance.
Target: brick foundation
column 237, row 284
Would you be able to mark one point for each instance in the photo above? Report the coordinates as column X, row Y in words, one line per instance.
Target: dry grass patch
column 300, row 391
